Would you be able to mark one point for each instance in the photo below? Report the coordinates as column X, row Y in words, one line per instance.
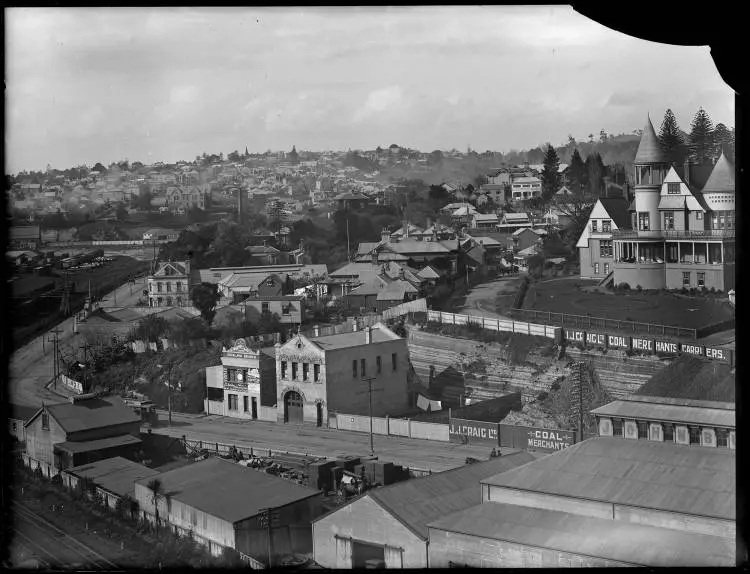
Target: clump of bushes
column 624, row 286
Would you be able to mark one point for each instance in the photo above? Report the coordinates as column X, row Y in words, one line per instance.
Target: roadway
column 31, row 366
column 323, row 442
column 36, row 540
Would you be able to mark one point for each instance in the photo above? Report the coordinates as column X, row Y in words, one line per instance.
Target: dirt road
column 480, row 301
column 31, row 366
column 422, row 454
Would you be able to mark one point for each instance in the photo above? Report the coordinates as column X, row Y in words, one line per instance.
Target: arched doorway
column 319, row 420
column 293, row 411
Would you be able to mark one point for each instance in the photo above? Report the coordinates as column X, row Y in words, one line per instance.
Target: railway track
column 53, row 546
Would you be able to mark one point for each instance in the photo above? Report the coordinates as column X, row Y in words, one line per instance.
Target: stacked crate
column 319, row 475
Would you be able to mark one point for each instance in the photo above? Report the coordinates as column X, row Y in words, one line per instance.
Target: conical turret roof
column 649, row 150
column 721, row 179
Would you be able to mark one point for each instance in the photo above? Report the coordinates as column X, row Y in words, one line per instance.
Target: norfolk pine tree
column 550, row 173
column 701, row 138
column 671, row 140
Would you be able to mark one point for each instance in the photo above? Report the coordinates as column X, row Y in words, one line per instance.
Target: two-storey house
column 321, row 374
column 595, row 246
column 524, row 188
column 170, row 284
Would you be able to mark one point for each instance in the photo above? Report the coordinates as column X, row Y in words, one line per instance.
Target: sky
column 87, row 85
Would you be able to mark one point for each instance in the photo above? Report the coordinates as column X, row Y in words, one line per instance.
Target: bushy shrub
column 638, row 288
column 624, row 286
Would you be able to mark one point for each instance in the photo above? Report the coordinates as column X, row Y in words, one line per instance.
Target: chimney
column 374, row 255
column 368, row 335
column 316, row 331
column 385, row 235
column 265, row 243
column 355, row 325
column 406, row 229
column 686, row 171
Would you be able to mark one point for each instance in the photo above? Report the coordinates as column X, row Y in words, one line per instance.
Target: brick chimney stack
column 385, row 235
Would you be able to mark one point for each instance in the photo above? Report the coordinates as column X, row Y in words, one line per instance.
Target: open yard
column 577, row 297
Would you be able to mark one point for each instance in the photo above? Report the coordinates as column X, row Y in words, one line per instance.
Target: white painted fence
column 418, row 305
column 506, row 325
column 71, row 384
column 387, row 426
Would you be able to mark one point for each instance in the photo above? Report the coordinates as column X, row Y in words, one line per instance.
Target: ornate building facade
column 683, row 230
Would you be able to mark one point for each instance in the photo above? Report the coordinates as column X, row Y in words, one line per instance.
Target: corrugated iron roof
column 98, row 444
column 117, row 474
column 96, row 412
column 227, row 490
column 649, row 150
column 418, row 502
column 615, row 540
column 722, row 177
column 684, row 479
column 379, row 334
column 685, row 402
column 668, row 413
column 22, row 412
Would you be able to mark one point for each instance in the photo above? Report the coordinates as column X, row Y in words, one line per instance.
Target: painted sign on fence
column 71, row 384
column 462, row 430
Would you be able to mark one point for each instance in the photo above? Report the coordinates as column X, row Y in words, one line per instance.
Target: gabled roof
column 722, row 177
column 419, row 501
column 429, row 273
column 678, row 414
column 177, row 266
column 617, row 208
column 616, row 540
column 92, row 413
column 649, row 149
column 648, row 474
column 227, row 490
column 516, row 216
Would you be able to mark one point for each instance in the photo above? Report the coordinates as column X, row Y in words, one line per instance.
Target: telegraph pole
column 55, row 356
column 369, row 387
column 86, row 347
column 169, row 387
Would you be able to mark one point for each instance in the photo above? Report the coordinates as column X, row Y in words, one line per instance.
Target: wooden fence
column 602, row 324
column 388, row 426
column 507, row 325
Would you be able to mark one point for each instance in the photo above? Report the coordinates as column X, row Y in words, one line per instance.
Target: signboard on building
column 618, row 342
column 689, row 349
column 462, row 430
column 666, row 347
column 717, row 354
column 533, row 438
column 550, row 439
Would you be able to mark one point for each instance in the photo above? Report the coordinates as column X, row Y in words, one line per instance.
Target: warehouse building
column 88, row 428
column 681, row 421
column 602, row 502
column 113, row 478
column 389, row 525
column 219, row 503
column 319, row 374
column 497, row 535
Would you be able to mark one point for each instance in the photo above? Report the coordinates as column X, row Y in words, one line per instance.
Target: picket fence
column 507, row 325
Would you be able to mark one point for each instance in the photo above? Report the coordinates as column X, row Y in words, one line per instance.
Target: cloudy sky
column 86, row 85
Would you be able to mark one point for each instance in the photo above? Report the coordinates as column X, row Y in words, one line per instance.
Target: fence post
column 217, row 448
column 387, row 425
column 408, row 427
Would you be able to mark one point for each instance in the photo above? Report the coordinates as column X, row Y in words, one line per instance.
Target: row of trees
column 703, row 144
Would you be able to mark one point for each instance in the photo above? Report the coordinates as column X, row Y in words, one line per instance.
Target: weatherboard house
column 683, row 229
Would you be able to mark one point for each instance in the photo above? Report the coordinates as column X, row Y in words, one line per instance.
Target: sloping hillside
column 691, row 378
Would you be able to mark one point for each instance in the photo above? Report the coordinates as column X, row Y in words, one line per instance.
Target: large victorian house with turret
column 681, row 231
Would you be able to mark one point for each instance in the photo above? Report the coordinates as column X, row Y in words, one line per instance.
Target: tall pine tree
column 701, row 138
column 550, row 173
column 670, row 139
column 596, row 170
column 577, row 174
column 724, row 141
